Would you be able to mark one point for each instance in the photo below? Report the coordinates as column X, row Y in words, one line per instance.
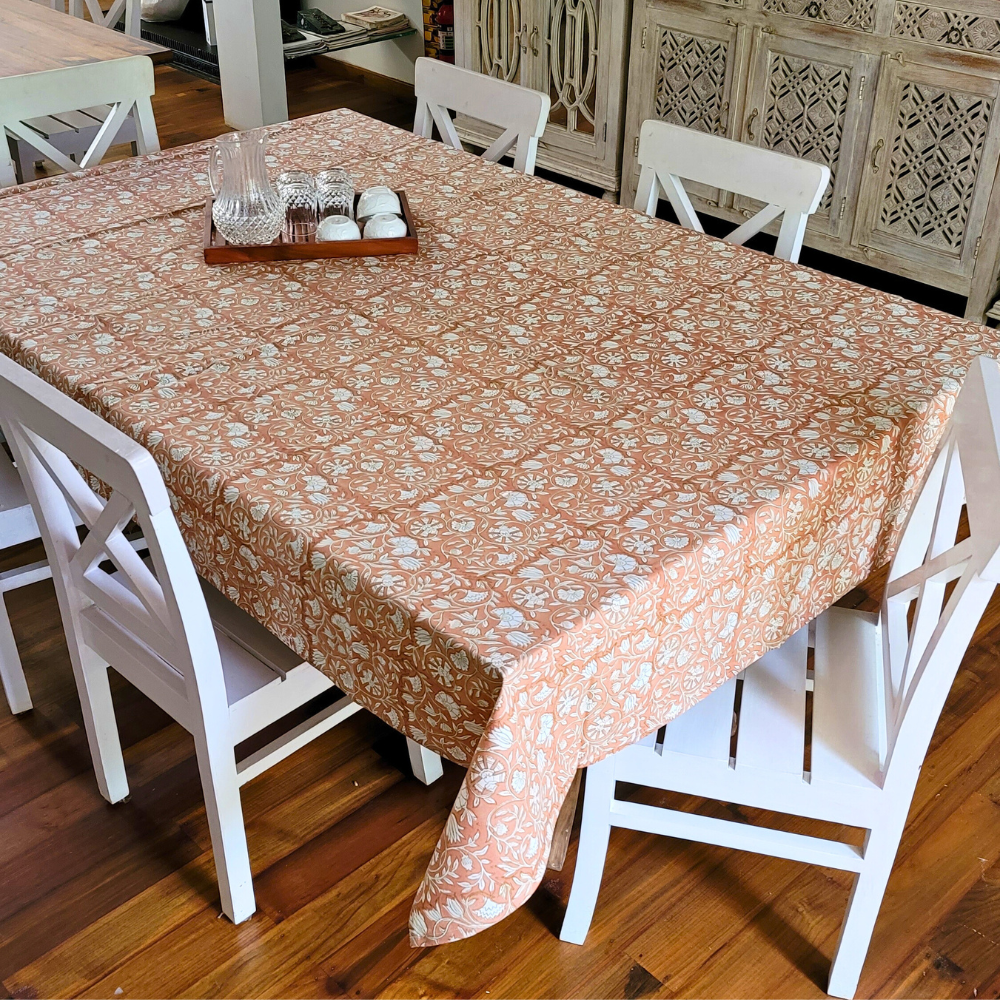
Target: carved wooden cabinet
column 575, row 51
column 900, row 99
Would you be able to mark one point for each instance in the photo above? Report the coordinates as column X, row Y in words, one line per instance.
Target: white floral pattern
column 526, row 495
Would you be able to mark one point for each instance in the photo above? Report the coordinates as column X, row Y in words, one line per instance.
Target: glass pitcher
column 247, row 208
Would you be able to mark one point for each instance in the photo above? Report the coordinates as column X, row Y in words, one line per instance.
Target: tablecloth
column 526, row 495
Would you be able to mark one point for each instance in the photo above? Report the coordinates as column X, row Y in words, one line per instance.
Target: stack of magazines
column 352, row 34
column 377, row 20
column 297, row 44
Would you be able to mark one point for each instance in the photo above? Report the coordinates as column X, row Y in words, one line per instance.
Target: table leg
column 7, row 175
column 564, row 825
column 251, row 63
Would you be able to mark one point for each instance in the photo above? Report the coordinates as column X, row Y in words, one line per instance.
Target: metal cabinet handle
column 534, row 40
column 875, row 152
column 750, row 121
column 522, row 38
column 721, row 126
column 898, row 57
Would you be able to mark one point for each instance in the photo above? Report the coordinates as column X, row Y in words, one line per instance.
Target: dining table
column 527, row 494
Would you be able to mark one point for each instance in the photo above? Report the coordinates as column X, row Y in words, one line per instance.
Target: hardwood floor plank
column 79, row 902
column 320, row 863
column 271, row 834
column 325, row 924
column 962, row 956
column 68, row 803
column 106, row 943
column 374, row 958
column 180, row 957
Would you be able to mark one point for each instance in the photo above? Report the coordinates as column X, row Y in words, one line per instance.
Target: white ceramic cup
column 337, row 227
column 378, row 200
column 384, row 227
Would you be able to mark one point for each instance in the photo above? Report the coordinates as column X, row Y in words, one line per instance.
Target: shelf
column 192, row 52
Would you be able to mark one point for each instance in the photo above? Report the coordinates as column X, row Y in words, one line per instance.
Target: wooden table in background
column 51, row 62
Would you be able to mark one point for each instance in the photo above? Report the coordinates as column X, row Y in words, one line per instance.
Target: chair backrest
column 108, row 18
column 925, row 629
column 158, row 618
column 669, row 154
column 520, row 112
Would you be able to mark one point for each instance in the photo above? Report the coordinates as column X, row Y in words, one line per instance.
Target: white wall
column 393, row 58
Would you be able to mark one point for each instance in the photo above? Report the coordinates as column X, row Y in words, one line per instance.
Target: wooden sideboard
column 575, row 51
column 901, row 99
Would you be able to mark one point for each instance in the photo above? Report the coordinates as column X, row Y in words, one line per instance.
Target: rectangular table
column 527, row 495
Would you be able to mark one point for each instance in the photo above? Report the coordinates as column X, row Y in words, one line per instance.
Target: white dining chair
column 73, row 132
column 878, row 684
column 209, row 665
column 17, row 525
column 789, row 187
column 520, row 112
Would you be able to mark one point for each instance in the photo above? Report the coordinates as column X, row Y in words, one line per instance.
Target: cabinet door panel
column 806, row 100
column 683, row 71
column 692, row 73
column 491, row 38
column 931, row 163
column 574, row 69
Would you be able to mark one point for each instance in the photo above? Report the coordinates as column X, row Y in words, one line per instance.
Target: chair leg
column 220, row 784
column 862, row 911
column 14, row 685
column 423, row 123
column 426, row 764
column 94, row 691
column 145, row 127
column 592, row 851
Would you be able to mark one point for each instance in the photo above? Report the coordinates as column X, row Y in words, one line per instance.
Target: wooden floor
column 121, row 901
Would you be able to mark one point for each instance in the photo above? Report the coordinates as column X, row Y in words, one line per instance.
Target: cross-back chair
column 209, row 665
column 520, row 112
column 878, row 683
column 789, row 187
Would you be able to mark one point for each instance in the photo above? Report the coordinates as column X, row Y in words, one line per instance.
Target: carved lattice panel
column 572, row 64
column 804, row 111
column 691, row 80
column 932, row 164
column 859, row 14
column 499, row 24
column 946, row 27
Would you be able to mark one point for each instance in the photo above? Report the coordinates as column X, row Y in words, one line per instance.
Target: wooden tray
column 218, row 251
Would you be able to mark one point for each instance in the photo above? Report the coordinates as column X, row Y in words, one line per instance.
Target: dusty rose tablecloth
column 527, row 495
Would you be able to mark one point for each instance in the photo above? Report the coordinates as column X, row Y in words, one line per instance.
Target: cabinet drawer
column 952, row 29
column 857, row 14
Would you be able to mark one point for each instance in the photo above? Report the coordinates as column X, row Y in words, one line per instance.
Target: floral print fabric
column 526, row 495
